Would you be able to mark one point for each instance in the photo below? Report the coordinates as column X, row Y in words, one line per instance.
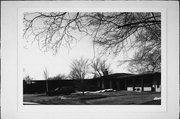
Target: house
column 131, row 82
column 117, row 81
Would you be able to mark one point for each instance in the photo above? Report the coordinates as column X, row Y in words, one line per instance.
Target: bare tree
column 53, row 29
column 58, row 77
column 100, row 67
column 46, row 78
column 79, row 68
column 126, row 31
column 27, row 79
column 113, row 31
column 146, row 63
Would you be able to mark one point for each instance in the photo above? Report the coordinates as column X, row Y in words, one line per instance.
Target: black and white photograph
column 91, row 58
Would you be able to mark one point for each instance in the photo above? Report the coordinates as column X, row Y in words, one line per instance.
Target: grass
column 105, row 98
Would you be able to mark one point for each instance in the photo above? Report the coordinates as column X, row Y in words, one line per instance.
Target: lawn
column 104, row 98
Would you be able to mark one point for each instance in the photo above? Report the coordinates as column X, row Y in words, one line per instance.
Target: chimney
column 105, row 72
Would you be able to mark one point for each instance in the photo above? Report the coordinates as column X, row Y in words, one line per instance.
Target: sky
column 36, row 61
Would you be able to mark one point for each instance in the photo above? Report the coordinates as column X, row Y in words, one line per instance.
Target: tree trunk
column 142, row 85
column 47, row 86
column 82, row 85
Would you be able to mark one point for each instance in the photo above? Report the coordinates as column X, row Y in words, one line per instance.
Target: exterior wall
column 147, row 88
column 157, row 88
column 139, row 89
column 129, row 88
column 99, row 84
column 103, row 84
column 110, row 84
column 157, row 84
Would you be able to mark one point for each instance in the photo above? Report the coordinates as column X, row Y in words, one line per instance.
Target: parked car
column 66, row 90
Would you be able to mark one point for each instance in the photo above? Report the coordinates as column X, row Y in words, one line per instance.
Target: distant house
column 117, row 81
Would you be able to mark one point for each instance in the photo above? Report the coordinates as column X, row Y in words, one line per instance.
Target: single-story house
column 117, row 81
column 131, row 82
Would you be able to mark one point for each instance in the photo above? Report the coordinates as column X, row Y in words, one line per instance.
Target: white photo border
column 21, row 111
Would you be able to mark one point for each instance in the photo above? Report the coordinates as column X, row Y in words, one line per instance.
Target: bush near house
column 66, row 90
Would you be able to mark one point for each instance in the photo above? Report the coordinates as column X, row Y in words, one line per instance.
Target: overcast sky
column 35, row 61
